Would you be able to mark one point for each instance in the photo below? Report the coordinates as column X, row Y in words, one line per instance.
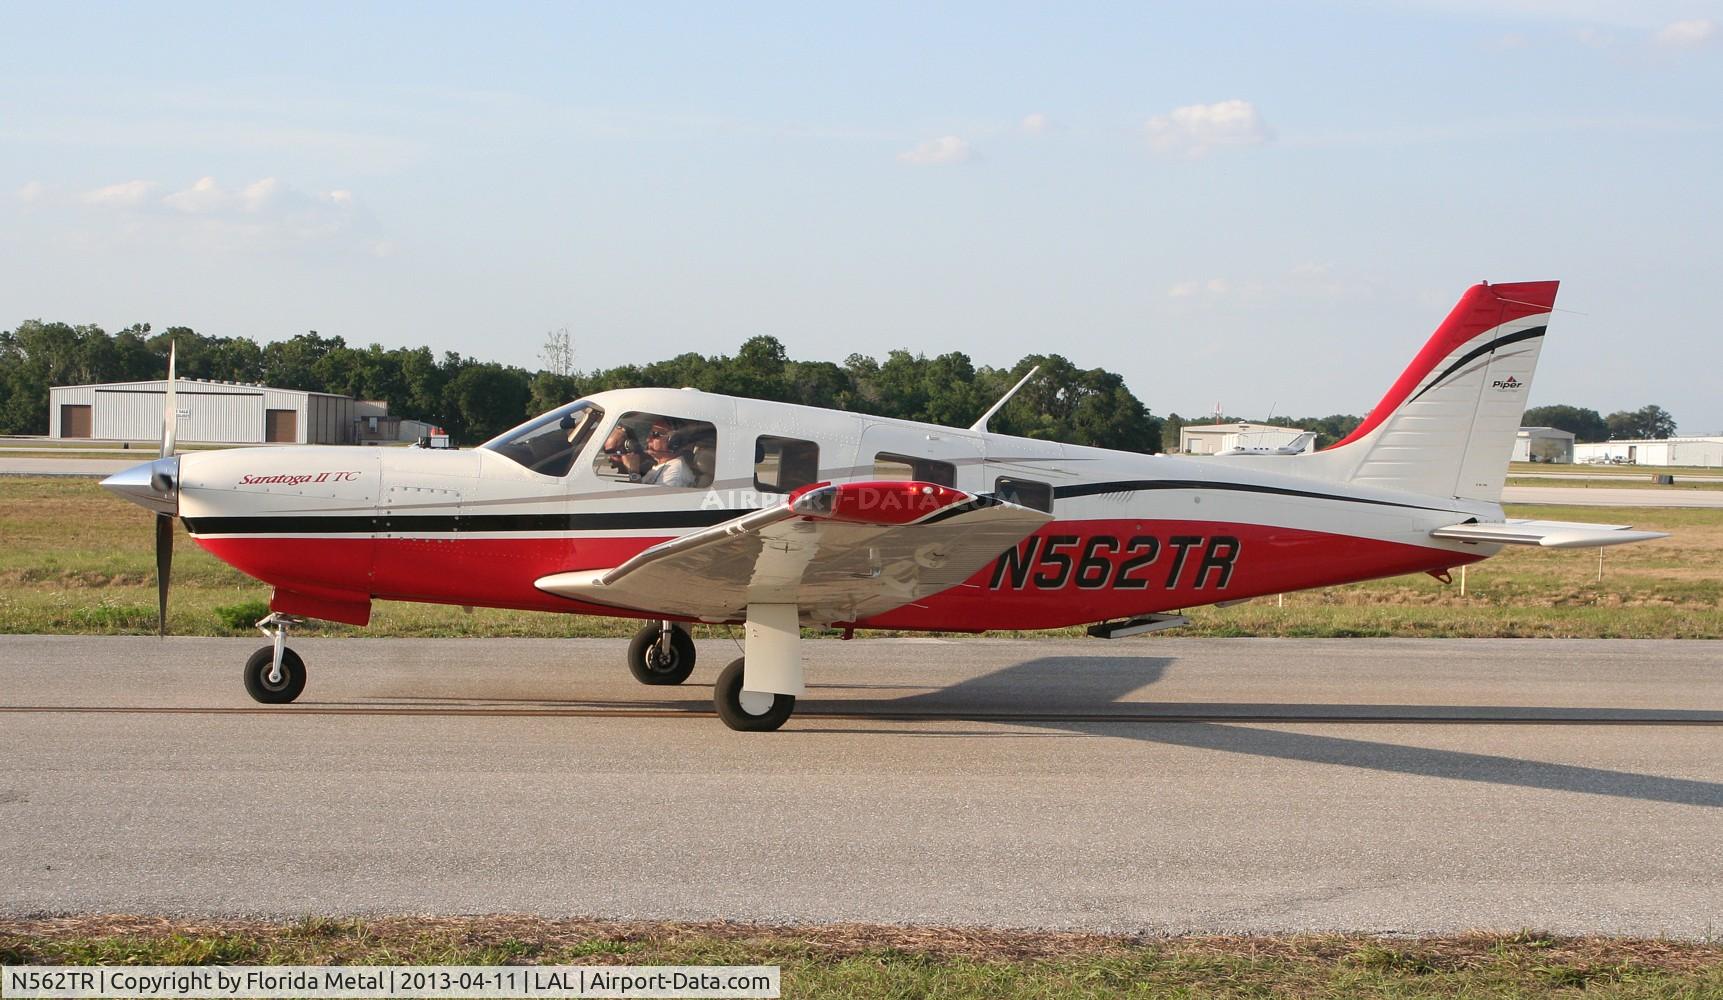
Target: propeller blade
column 170, row 411
column 164, row 565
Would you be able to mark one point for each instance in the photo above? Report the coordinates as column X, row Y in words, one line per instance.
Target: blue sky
column 1246, row 204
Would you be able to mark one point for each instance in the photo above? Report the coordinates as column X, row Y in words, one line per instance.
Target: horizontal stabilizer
column 1548, row 534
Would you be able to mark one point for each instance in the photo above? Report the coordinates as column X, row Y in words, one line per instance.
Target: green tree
column 1651, row 421
column 548, row 390
column 1583, row 424
column 484, row 400
column 292, row 363
column 757, row 371
column 1171, row 425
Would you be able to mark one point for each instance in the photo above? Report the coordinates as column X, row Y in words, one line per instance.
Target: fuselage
column 333, row 528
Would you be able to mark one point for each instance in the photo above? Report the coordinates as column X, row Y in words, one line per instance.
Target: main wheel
column 652, row 665
column 749, row 711
column 258, row 684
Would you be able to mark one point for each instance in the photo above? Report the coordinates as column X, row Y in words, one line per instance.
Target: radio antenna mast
column 981, row 425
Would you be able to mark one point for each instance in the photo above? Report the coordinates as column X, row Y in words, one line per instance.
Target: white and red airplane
column 679, row 506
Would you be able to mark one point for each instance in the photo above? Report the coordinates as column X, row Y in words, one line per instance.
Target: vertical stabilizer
column 1447, row 425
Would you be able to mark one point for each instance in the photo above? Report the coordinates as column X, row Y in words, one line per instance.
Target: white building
column 1693, row 452
column 1543, row 444
column 209, row 413
column 1211, row 439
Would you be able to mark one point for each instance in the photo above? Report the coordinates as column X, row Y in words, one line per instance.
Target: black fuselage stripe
column 1140, row 485
column 654, row 520
column 1478, row 352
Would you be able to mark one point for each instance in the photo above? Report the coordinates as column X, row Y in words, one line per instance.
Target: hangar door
column 74, row 420
column 281, row 426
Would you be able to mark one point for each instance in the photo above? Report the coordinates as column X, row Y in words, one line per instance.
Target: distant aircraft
column 1296, row 446
column 679, row 506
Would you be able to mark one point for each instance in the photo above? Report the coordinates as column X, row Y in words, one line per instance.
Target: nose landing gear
column 661, row 653
column 275, row 675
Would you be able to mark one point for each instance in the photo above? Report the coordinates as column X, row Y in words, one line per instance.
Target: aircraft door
column 945, row 456
column 1026, row 471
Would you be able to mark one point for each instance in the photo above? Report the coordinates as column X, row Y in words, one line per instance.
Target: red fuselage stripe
column 1067, row 573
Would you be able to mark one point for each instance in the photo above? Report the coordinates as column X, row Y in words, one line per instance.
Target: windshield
column 548, row 445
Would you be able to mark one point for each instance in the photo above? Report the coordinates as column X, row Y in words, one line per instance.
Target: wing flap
column 1548, row 534
column 840, row 553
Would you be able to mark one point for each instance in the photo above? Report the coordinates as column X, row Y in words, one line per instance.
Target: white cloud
column 128, row 194
column 265, row 215
column 32, row 193
column 1687, row 34
column 1195, row 129
column 944, row 150
column 201, row 198
column 1035, row 124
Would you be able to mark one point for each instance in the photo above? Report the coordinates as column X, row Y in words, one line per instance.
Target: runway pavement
column 1161, row 785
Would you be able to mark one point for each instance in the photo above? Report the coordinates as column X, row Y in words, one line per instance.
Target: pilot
column 626, row 455
column 671, row 467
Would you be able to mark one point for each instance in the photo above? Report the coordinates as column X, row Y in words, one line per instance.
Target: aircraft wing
column 1549, row 534
column 840, row 553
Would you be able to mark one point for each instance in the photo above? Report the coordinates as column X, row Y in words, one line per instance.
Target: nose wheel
column 275, row 675
column 661, row 653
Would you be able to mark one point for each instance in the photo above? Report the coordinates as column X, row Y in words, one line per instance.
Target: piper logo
column 1509, row 384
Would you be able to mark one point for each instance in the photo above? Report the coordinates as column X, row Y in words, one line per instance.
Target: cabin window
column 783, row 465
column 1024, row 493
column 656, row 449
column 902, row 468
column 548, row 445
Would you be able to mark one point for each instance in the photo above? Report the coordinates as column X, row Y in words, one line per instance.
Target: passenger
column 671, row 468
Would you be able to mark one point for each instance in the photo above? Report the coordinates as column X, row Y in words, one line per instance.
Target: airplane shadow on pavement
column 1037, row 692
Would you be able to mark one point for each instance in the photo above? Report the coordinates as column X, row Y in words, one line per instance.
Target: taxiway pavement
column 24, row 465
column 1602, row 496
column 1159, row 784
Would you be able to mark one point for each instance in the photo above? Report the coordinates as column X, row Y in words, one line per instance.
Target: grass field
column 902, row 962
column 78, row 560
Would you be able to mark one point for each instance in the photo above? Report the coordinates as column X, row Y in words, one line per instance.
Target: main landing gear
column 749, row 711
column 275, row 675
column 757, row 693
column 661, row 653
column 754, row 694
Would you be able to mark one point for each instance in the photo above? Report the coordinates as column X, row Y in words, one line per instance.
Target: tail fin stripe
column 1512, row 338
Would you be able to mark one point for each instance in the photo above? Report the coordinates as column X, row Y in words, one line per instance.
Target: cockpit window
column 659, row 450
column 548, row 445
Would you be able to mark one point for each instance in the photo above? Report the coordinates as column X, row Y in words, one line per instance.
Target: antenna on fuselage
column 981, row 425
